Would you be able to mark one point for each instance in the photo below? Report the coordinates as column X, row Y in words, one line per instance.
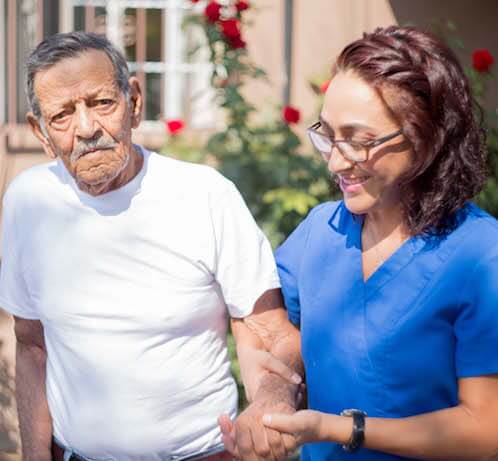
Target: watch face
column 352, row 411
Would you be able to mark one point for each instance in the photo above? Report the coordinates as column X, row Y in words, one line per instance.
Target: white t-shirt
column 132, row 288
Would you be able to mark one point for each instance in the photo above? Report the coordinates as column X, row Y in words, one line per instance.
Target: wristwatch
column 358, row 434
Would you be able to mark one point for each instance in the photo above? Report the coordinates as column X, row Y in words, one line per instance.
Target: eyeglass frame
column 367, row 145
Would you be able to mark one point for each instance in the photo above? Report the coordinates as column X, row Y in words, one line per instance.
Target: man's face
column 87, row 119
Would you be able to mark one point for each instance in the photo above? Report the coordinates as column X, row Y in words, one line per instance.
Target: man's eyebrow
column 103, row 89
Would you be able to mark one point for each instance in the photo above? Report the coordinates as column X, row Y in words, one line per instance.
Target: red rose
column 237, row 43
column 290, row 115
column 230, row 28
column 241, row 6
column 174, row 126
column 324, row 86
column 482, row 60
column 212, row 11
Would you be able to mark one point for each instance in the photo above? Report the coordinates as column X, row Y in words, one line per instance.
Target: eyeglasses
column 355, row 151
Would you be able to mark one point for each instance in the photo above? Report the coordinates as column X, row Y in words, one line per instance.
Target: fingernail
column 266, row 419
column 296, row 378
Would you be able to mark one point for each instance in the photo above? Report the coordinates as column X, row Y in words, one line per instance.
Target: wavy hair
column 423, row 85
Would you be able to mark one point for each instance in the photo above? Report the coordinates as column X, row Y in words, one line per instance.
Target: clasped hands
column 269, row 428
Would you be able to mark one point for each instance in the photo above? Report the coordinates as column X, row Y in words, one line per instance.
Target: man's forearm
column 286, row 349
column 285, row 345
column 271, row 327
column 35, row 421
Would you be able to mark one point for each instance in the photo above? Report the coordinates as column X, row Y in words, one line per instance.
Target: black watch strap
column 358, row 434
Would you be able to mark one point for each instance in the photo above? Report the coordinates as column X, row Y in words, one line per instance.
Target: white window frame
column 174, row 68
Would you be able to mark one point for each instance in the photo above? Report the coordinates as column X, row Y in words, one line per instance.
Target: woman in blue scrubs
column 395, row 287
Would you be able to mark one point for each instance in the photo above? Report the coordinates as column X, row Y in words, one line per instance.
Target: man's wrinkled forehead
column 85, row 75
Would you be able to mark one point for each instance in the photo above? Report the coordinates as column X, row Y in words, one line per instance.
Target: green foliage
column 479, row 82
column 279, row 183
column 235, row 369
column 488, row 198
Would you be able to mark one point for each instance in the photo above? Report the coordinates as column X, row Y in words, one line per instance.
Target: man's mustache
column 89, row 146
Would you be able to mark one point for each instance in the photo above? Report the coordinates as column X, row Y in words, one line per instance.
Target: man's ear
column 34, row 124
column 136, row 102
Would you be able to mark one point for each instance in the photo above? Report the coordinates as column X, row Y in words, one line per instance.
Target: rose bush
column 278, row 182
column 174, row 126
column 291, row 115
column 478, row 65
column 482, row 60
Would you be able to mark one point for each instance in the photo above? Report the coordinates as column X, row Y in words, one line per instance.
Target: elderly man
column 119, row 266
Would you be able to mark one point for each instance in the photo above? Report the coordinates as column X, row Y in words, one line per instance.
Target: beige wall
column 476, row 23
column 321, row 29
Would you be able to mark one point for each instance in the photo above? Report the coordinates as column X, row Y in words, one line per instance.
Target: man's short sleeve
column 14, row 295
column 244, row 263
column 476, row 328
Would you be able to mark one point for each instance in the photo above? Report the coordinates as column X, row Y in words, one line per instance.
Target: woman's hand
column 305, row 425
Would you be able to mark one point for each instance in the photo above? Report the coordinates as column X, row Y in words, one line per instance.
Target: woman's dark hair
column 423, row 85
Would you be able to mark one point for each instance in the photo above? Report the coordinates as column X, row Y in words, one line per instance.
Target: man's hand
column 256, row 363
column 266, row 377
column 248, row 440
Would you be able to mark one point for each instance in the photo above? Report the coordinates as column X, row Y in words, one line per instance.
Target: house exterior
column 294, row 40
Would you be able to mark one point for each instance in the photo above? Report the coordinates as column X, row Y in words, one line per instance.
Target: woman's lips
column 352, row 184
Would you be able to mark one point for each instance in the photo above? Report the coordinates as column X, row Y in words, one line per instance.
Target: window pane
column 50, row 17
column 153, row 96
column 129, row 34
column 100, row 21
column 100, row 11
column 153, row 35
column 79, row 18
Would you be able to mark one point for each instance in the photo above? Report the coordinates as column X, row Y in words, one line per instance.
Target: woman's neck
column 385, row 224
column 384, row 231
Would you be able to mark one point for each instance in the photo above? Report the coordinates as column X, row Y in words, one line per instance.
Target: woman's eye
column 361, row 140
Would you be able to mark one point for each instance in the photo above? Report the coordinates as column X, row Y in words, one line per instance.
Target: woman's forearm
column 35, row 421
column 449, row 434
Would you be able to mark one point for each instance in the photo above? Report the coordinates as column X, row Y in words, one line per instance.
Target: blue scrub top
column 395, row 345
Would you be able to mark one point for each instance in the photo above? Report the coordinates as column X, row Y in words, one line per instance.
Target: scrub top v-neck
column 395, row 344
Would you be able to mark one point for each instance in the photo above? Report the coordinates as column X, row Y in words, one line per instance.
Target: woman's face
column 353, row 110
